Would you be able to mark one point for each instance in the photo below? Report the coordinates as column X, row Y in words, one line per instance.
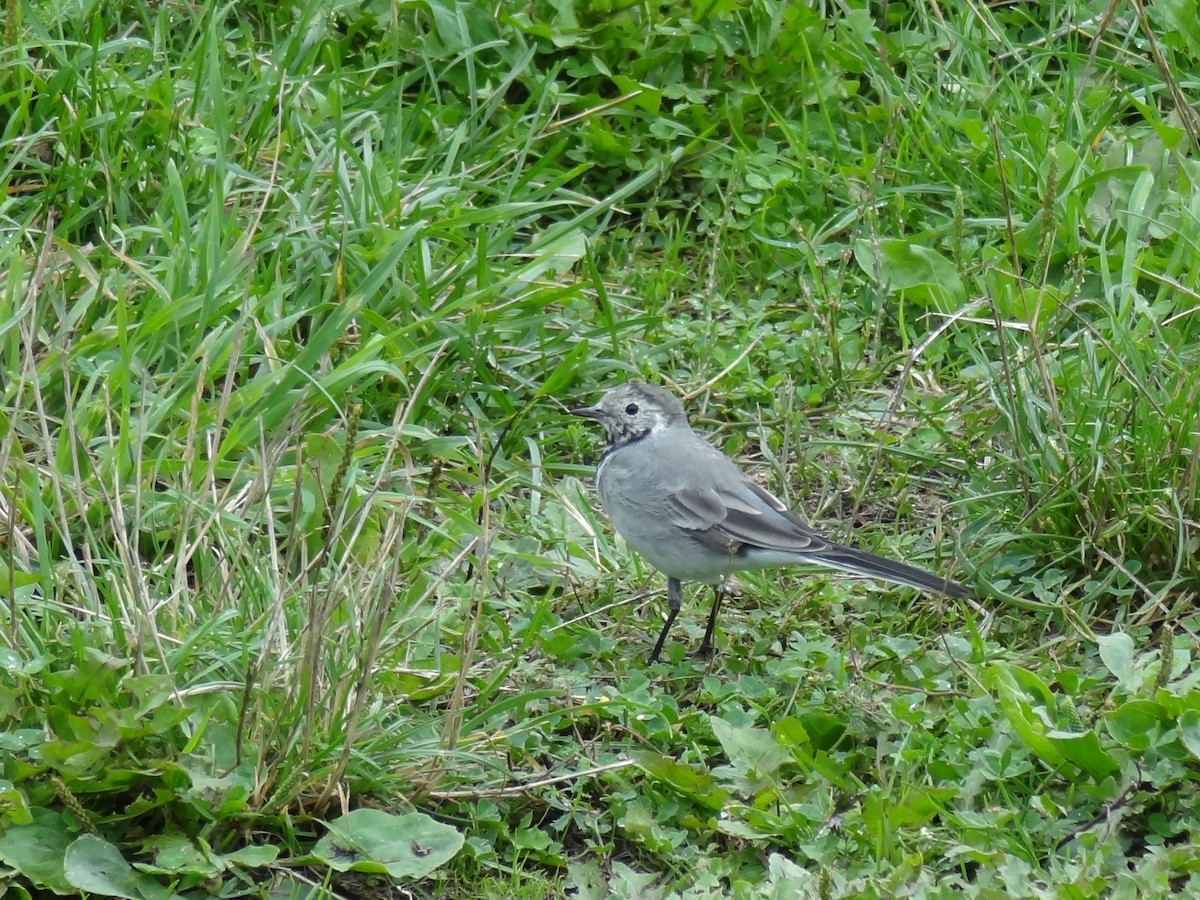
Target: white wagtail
column 691, row 512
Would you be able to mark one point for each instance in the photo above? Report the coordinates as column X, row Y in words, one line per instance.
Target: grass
column 305, row 591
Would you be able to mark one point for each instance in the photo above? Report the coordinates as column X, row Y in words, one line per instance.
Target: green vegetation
column 303, row 591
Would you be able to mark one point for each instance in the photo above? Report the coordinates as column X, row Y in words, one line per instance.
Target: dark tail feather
column 859, row 562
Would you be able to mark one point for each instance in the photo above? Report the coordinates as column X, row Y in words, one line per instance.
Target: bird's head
column 634, row 410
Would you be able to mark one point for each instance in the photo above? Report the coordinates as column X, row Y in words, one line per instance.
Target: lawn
column 304, row 587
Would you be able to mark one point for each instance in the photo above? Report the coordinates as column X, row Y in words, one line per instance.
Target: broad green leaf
column 252, row 856
column 786, row 880
column 371, row 840
column 1083, row 749
column 1019, row 712
column 176, row 854
column 530, row 839
column 37, row 851
column 919, row 806
column 822, row 728
column 96, row 866
column 1189, row 731
column 641, row 825
column 643, row 96
column 750, row 750
column 1027, row 704
column 1182, row 18
column 790, row 731
column 1116, row 652
column 13, row 803
column 917, row 271
column 698, row 785
column 1132, row 722
column 1038, row 691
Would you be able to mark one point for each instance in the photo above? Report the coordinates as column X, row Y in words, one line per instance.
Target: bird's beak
column 588, row 412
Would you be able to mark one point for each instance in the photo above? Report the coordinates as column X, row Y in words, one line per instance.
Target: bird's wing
column 746, row 516
column 700, row 511
column 742, row 514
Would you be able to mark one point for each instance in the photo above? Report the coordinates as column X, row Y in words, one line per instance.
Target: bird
column 687, row 508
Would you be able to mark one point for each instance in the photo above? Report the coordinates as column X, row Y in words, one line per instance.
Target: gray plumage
column 690, row 511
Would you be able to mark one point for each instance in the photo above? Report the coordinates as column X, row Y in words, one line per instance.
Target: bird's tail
column 859, row 562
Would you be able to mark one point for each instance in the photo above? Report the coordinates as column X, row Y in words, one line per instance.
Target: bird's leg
column 674, row 601
column 706, row 645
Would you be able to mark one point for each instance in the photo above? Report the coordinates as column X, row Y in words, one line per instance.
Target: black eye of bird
column 631, row 409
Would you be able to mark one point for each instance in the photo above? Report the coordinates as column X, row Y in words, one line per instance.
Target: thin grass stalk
column 369, row 651
column 1008, row 384
column 450, row 732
